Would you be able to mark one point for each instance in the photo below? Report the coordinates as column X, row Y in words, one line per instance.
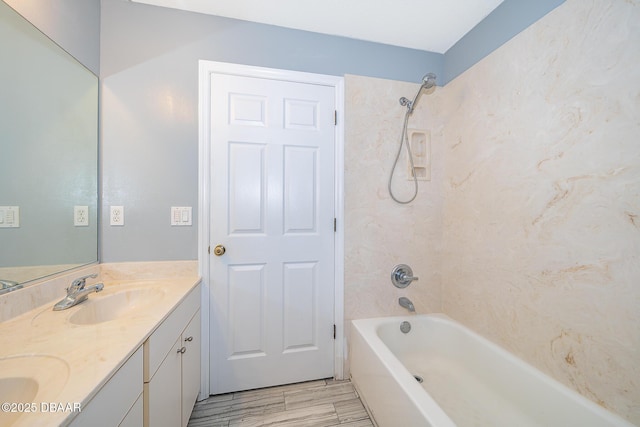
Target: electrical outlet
column 81, row 216
column 117, row 215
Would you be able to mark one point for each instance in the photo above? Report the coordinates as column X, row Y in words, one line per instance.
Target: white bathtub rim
column 413, row 389
column 425, row 404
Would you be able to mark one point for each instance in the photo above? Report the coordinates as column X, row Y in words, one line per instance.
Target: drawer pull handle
column 182, row 350
column 189, row 339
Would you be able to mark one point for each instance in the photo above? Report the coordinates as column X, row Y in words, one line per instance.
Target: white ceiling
column 431, row 25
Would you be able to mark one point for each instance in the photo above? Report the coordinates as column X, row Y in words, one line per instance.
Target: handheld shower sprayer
column 428, row 81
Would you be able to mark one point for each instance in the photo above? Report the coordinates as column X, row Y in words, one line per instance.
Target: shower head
column 429, row 81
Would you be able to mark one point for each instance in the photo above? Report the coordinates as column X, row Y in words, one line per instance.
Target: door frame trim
column 206, row 68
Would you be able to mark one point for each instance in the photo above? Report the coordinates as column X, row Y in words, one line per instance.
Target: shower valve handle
column 402, row 276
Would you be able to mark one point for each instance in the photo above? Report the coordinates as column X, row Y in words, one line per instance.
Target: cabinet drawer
column 161, row 341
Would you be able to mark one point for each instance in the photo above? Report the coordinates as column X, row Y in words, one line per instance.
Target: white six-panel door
column 272, row 148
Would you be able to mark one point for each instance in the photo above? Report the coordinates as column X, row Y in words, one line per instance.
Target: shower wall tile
column 380, row 233
column 541, row 248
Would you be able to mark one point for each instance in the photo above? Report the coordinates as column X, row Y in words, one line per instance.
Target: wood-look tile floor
column 322, row 403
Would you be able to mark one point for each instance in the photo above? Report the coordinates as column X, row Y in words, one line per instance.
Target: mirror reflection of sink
column 30, row 379
column 104, row 308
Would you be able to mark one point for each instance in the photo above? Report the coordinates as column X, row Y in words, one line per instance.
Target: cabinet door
column 163, row 392
column 135, row 416
column 190, row 367
column 110, row 406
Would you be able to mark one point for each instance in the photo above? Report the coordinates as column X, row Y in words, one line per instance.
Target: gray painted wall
column 72, row 24
column 149, row 70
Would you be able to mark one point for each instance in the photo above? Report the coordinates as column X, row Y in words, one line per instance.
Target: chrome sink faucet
column 77, row 292
column 8, row 286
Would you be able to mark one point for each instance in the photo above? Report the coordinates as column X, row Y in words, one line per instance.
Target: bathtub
column 466, row 380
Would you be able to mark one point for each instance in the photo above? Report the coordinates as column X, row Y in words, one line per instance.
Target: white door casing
column 275, row 188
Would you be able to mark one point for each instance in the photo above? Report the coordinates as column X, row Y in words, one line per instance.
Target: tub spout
column 406, row 303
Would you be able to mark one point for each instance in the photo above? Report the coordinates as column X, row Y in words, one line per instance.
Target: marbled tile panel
column 542, row 199
column 380, row 233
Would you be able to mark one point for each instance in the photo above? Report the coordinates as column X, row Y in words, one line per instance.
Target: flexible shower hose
column 404, row 139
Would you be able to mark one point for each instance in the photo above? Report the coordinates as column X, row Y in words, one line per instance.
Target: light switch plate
column 181, row 215
column 9, row 216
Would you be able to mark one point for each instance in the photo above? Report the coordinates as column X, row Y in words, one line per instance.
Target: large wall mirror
column 48, row 155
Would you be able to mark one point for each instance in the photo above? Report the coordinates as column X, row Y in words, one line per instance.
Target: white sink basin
column 104, row 308
column 18, row 389
column 29, row 379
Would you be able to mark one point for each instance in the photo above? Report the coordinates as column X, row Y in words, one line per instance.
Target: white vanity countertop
column 87, row 355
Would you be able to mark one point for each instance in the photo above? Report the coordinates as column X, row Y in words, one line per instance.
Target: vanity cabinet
column 119, row 401
column 172, row 366
column 190, row 367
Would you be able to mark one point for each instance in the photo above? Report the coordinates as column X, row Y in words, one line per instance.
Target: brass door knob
column 219, row 250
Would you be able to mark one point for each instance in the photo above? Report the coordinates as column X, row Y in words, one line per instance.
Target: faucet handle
column 80, row 282
column 402, row 276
